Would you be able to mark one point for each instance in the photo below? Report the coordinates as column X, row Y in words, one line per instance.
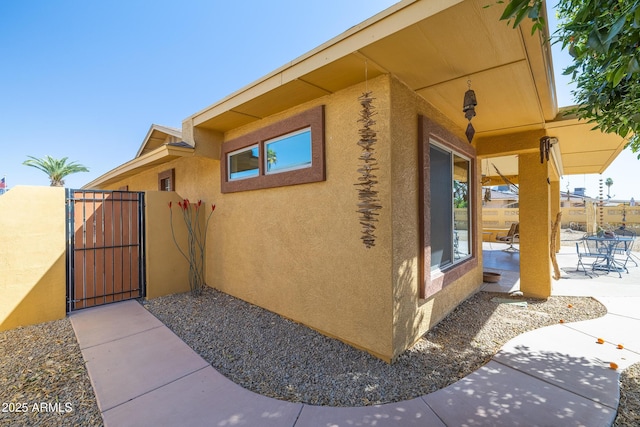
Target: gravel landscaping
column 43, row 380
column 283, row 359
column 268, row 354
column 629, row 408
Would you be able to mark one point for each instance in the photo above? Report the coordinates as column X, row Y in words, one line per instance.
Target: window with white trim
column 244, row 163
column 167, row 180
column 446, row 207
column 449, row 186
column 288, row 152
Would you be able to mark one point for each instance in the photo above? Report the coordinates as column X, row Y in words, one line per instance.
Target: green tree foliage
column 603, row 37
column 56, row 169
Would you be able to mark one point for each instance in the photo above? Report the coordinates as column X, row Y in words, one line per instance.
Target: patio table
column 607, row 247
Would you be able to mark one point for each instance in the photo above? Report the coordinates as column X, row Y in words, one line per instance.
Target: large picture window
column 447, row 217
column 288, row 152
column 450, row 207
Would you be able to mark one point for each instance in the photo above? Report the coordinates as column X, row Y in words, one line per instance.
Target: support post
column 535, row 226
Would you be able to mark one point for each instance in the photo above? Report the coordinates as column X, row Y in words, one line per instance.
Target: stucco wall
column 32, row 256
column 196, row 178
column 167, row 269
column 414, row 316
column 297, row 251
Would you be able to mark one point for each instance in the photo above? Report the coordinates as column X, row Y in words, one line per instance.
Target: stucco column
column 535, row 226
column 555, row 208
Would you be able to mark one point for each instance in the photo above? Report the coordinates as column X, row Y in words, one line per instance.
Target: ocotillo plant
column 196, row 241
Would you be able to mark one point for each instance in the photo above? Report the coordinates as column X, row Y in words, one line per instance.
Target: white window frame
column 283, row 137
column 440, row 268
column 239, row 151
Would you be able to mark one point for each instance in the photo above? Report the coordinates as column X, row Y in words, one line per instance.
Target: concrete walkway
column 144, row 375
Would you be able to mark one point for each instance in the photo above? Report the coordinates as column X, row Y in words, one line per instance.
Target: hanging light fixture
column 469, row 110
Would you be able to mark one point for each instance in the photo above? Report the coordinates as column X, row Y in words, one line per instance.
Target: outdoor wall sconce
column 469, row 110
column 545, row 146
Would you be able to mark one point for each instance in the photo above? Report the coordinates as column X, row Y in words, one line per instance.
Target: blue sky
column 86, row 80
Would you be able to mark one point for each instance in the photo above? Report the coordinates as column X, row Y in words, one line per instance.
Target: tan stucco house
column 280, row 160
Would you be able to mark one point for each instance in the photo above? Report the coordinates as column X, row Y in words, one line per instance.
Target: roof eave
column 159, row 156
column 396, row 17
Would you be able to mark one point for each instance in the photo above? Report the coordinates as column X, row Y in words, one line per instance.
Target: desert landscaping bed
column 280, row 358
column 43, row 379
column 276, row 357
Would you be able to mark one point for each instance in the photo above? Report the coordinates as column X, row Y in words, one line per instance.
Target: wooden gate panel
column 105, row 247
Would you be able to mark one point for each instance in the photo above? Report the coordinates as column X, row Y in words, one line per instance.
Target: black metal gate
column 105, row 247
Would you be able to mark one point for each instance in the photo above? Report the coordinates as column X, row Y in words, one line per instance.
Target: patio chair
column 625, row 249
column 589, row 249
column 624, row 232
column 512, row 235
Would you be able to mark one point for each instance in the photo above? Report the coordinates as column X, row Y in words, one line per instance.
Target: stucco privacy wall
column 32, row 256
column 414, row 316
column 297, row 251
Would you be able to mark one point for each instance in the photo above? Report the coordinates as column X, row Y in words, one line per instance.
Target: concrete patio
column 143, row 374
column 571, row 283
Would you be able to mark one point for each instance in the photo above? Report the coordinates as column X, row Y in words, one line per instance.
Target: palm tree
column 272, row 158
column 608, row 183
column 56, row 169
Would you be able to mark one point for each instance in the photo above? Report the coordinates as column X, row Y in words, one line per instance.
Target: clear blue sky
column 85, row 79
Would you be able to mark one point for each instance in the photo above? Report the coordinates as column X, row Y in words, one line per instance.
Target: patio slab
column 98, row 325
column 203, row 398
column 595, row 284
column 622, row 306
column 408, row 413
column 497, row 395
column 613, row 329
column 569, row 359
column 509, row 282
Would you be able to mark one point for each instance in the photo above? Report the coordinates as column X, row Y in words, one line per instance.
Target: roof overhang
column 577, row 148
column 435, row 48
column 583, row 150
column 160, row 155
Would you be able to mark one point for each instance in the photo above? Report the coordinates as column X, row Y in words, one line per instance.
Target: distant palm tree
column 272, row 158
column 608, row 183
column 56, row 169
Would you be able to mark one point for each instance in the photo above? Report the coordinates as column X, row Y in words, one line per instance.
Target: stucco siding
column 414, row 316
column 196, row 178
column 297, row 251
